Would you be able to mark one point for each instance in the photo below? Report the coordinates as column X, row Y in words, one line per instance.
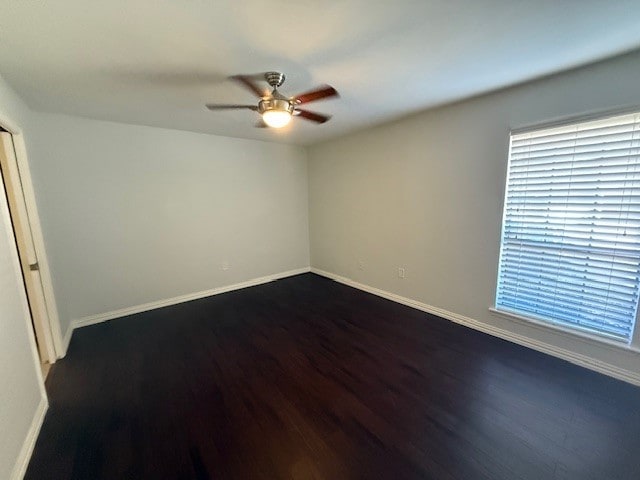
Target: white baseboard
column 576, row 358
column 123, row 312
column 22, row 462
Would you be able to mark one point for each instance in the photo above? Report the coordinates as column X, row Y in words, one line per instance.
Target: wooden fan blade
column 313, row 116
column 248, row 83
column 213, row 106
column 317, row 94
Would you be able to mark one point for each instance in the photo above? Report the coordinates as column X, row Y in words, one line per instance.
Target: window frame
column 531, row 320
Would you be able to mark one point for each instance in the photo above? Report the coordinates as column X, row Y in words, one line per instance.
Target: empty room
column 338, row 239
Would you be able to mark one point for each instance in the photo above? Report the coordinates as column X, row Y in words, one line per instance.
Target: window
column 570, row 252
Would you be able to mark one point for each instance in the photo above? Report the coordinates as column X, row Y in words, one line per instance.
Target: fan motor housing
column 275, row 104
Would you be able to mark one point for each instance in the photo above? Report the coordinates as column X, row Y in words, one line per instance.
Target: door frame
column 54, row 343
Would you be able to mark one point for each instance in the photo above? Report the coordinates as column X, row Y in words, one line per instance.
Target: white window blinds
column 570, row 252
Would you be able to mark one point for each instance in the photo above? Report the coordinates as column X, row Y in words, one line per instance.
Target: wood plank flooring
column 305, row 378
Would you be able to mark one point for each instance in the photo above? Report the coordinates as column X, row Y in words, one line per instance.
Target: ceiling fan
column 275, row 108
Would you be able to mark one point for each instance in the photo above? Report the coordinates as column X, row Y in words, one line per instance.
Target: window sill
column 540, row 325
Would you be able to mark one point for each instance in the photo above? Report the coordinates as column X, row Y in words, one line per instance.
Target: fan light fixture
column 276, row 118
column 276, row 112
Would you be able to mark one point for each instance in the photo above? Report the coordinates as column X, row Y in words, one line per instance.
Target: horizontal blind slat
column 591, row 129
column 527, row 261
column 544, row 164
column 617, row 135
column 617, row 316
column 588, row 315
column 534, row 165
column 578, row 156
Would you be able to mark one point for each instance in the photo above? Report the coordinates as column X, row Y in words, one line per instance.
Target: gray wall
column 426, row 193
column 20, row 386
column 134, row 214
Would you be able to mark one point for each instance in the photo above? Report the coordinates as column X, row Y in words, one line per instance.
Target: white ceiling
column 157, row 62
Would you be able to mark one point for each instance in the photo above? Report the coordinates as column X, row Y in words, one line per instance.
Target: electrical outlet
column 225, row 266
column 400, row 272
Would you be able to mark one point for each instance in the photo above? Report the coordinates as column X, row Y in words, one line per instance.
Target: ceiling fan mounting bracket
column 275, row 79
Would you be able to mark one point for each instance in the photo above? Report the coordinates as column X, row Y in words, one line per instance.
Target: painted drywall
column 22, row 391
column 426, row 193
column 134, row 214
column 157, row 63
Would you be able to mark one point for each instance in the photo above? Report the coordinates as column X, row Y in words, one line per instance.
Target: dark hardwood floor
column 305, row 378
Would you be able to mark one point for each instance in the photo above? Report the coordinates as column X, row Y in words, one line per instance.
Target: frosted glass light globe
column 276, row 118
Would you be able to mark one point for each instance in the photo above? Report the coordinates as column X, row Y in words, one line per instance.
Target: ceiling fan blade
column 317, row 94
column 213, row 106
column 248, row 83
column 313, row 116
